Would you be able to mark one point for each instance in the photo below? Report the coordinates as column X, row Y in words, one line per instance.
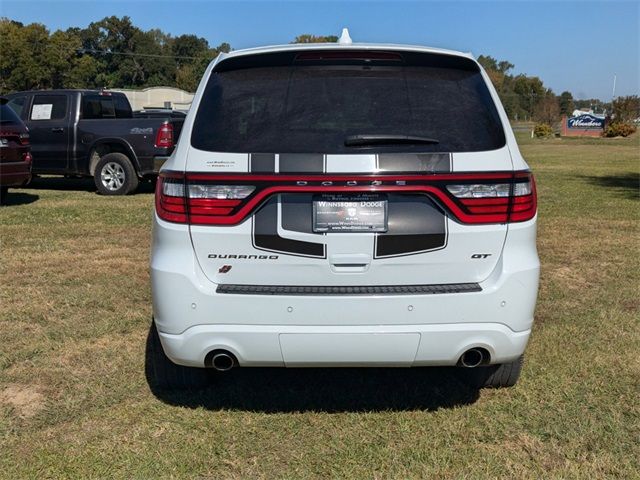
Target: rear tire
column 115, row 175
column 496, row 376
column 4, row 191
column 163, row 374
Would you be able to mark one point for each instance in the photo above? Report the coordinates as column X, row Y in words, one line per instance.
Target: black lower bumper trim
column 348, row 290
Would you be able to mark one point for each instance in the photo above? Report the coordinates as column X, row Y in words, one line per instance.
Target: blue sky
column 575, row 46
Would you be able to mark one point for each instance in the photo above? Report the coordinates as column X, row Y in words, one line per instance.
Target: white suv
column 344, row 205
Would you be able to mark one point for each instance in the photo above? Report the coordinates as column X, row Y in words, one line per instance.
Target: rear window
column 311, row 104
column 105, row 106
column 8, row 116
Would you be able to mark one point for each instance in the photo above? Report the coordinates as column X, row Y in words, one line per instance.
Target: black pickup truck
column 95, row 133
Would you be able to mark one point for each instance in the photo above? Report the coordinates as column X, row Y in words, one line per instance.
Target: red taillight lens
column 26, row 157
column 164, row 137
column 199, row 203
column 513, row 201
column 171, row 204
column 524, row 203
column 12, row 136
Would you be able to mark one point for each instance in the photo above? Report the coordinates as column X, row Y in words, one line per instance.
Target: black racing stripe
column 416, row 225
column 297, row 212
column 301, row 163
column 265, row 234
column 414, row 162
column 263, row 162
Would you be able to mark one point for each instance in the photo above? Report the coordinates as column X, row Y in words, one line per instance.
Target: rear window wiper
column 366, row 139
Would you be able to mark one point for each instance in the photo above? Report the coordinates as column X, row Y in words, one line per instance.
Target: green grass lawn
column 76, row 308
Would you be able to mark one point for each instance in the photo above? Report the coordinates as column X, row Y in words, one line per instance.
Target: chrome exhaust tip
column 223, row 361
column 473, row 357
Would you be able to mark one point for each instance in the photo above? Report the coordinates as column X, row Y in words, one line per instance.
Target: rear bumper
column 381, row 345
column 15, row 174
column 299, row 330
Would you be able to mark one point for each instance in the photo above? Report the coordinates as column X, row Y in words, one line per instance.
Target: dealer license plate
column 365, row 212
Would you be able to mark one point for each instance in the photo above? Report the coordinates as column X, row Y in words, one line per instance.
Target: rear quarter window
column 310, row 107
column 8, row 116
column 17, row 105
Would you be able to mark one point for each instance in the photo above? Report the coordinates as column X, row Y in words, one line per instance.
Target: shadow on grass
column 81, row 184
column 19, row 198
column 627, row 184
column 332, row 390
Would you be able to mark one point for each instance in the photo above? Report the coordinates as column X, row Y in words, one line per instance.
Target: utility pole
column 613, row 94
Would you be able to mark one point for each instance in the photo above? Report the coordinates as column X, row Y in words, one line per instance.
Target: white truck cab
column 344, row 204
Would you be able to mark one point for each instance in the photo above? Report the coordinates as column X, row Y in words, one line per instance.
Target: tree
column 490, row 63
column 566, row 103
column 24, row 62
column 186, row 46
column 547, row 110
column 626, row 109
column 530, row 91
column 62, row 55
column 308, row 38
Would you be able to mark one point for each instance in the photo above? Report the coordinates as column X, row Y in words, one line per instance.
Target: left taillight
column 199, row 203
column 164, row 136
column 24, row 138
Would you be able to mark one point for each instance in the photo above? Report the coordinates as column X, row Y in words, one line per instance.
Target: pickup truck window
column 104, row 106
column 49, row 107
column 8, row 116
column 17, row 105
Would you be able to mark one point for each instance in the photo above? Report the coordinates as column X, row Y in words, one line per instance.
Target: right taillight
column 506, row 201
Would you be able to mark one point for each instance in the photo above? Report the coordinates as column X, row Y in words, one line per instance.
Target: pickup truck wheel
column 495, row 376
column 115, row 175
column 163, row 374
column 3, row 195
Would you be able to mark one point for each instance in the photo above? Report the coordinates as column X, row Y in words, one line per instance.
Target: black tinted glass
column 8, row 116
column 97, row 106
column 49, row 107
column 123, row 109
column 17, row 105
column 313, row 108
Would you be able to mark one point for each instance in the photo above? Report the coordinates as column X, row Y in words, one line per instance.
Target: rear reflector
column 219, row 199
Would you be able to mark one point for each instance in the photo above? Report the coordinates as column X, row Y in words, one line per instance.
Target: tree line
column 114, row 53
column 109, row 53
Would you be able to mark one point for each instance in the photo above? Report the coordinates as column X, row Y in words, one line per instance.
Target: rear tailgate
column 279, row 130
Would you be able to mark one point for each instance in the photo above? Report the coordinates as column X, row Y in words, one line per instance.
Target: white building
column 158, row 97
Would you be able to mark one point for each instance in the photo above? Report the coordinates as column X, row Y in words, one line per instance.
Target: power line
column 132, row 54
